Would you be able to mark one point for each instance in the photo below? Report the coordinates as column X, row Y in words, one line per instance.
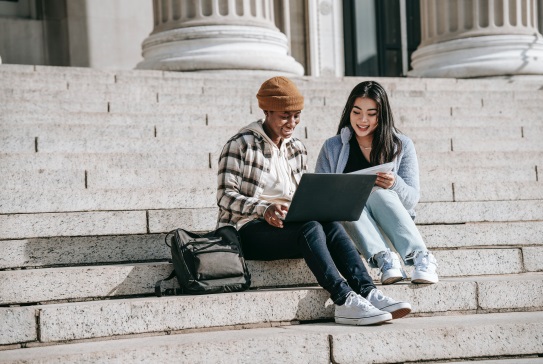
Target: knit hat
column 279, row 94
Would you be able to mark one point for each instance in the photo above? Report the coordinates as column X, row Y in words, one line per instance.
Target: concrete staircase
column 97, row 166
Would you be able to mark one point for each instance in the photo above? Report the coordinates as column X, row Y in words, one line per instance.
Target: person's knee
column 312, row 233
column 383, row 197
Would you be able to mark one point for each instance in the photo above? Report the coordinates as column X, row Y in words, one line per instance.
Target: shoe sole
column 365, row 321
column 423, row 281
column 400, row 313
column 391, row 280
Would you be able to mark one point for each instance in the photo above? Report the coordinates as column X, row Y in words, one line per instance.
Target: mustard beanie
column 279, row 94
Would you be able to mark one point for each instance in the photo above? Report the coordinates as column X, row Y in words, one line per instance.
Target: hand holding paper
column 385, row 177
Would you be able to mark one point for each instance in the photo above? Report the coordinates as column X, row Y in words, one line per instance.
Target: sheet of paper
column 387, row 167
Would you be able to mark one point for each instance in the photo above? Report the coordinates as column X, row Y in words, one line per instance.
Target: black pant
column 326, row 248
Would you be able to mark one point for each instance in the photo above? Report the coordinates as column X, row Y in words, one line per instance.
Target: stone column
column 208, row 35
column 478, row 38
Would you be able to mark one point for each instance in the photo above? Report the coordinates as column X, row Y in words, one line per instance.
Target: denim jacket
column 335, row 153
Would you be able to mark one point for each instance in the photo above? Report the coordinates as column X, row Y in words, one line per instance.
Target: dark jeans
column 326, row 248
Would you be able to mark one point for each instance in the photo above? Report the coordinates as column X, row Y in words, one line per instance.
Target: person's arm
column 406, row 184
column 323, row 161
column 230, row 180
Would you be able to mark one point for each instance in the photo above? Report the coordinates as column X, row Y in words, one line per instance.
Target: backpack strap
column 158, row 284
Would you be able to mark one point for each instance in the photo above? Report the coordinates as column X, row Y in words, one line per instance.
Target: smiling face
column 364, row 119
column 280, row 125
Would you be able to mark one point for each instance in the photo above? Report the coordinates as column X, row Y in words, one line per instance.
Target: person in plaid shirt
column 259, row 170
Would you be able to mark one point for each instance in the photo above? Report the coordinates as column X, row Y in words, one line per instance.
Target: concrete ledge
column 436, row 338
column 444, row 338
column 121, row 317
column 513, row 292
column 18, row 325
column 502, row 190
column 482, row 234
column 34, row 180
column 16, row 201
column 482, row 211
column 265, row 345
column 82, row 250
column 191, row 160
column 139, row 279
column 22, row 226
column 162, row 221
column 533, row 259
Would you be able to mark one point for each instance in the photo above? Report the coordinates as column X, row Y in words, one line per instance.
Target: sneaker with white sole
column 389, row 267
column 358, row 311
column 396, row 308
column 425, row 268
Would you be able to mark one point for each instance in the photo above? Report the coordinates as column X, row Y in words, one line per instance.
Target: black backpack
column 209, row 263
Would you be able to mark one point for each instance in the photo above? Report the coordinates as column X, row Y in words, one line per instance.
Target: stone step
column 139, row 279
column 313, row 343
column 155, row 128
column 216, row 140
column 95, row 319
column 44, row 252
column 203, row 160
column 84, row 250
column 128, row 178
column 53, row 224
column 444, row 338
column 171, row 194
column 322, row 119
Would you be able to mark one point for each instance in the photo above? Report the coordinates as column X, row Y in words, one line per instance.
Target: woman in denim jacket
column 367, row 137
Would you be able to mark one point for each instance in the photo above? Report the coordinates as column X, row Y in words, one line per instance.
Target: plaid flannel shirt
column 242, row 161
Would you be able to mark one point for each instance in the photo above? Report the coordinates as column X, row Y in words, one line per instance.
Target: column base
column 213, row 48
column 483, row 56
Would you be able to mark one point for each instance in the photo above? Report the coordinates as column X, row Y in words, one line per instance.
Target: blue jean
column 326, row 248
column 384, row 209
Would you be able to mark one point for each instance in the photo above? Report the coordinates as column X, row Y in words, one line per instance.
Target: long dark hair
column 385, row 145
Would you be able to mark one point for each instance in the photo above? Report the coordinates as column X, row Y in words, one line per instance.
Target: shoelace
column 379, row 296
column 422, row 263
column 355, row 300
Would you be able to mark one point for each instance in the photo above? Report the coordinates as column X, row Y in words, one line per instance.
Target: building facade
column 417, row 38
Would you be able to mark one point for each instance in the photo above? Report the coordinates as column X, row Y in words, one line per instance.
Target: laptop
column 329, row 197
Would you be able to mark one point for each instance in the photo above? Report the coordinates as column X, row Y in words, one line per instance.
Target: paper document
column 387, row 167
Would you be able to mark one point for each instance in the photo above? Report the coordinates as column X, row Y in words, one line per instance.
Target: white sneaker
column 396, row 308
column 425, row 268
column 389, row 265
column 358, row 311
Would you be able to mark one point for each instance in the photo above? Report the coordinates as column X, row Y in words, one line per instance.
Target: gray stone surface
column 522, row 144
column 511, row 292
column 28, row 286
column 127, row 145
column 75, row 131
column 265, row 345
column 193, row 160
column 67, row 106
column 22, row 226
column 103, row 119
column 482, row 234
column 118, row 317
column 434, row 191
column 18, row 324
column 17, row 145
column 152, row 178
column 474, row 262
column 161, row 221
column 479, row 211
column 533, row 258
column 40, row 179
column 499, row 191
column 82, row 250
column 56, row 200
column 433, row 338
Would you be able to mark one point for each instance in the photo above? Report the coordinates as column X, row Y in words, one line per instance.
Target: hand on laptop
column 275, row 214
